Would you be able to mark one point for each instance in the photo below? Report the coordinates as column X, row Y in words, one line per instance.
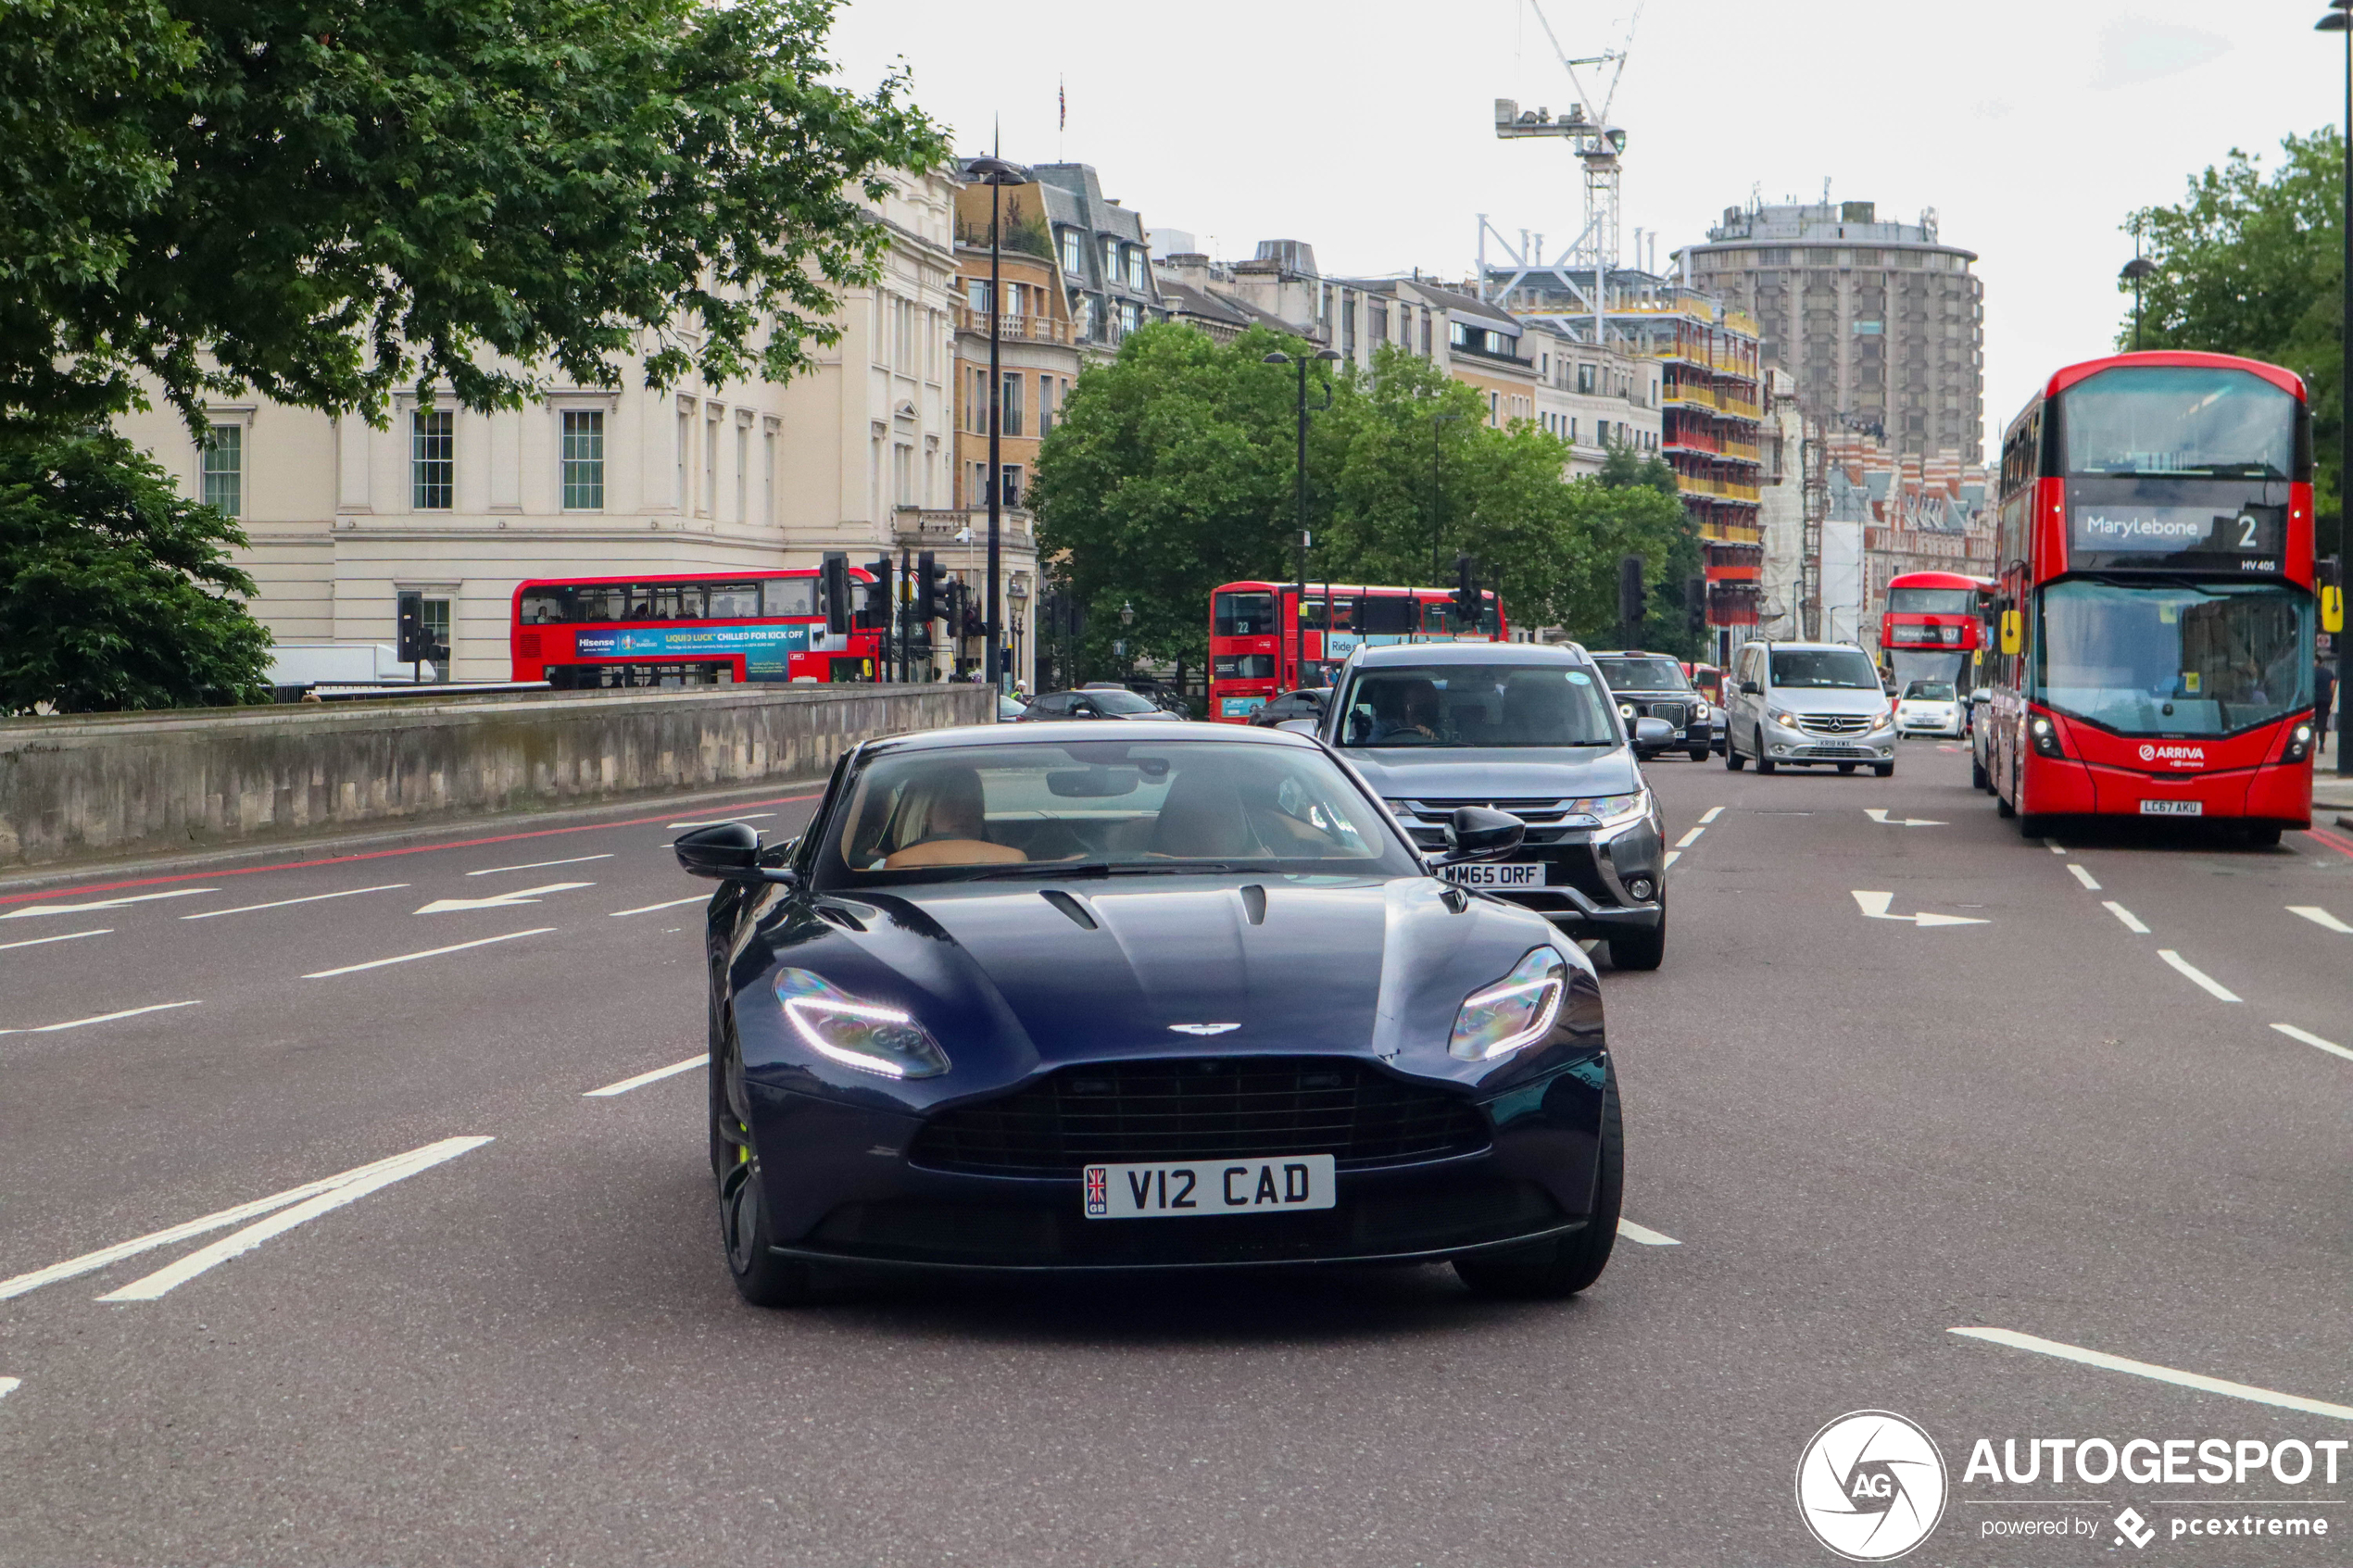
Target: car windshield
column 1104, row 808
column 1642, row 674
column 1836, row 669
column 1121, row 702
column 2174, row 658
column 1498, row 704
column 1927, row 691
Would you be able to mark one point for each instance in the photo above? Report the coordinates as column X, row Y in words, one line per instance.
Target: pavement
column 354, row 1209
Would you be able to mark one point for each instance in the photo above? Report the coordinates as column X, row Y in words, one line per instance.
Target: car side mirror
column 1653, row 734
column 1298, row 726
column 727, row 852
column 1750, row 688
column 1481, row 833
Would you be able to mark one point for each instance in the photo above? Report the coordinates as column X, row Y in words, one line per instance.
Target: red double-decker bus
column 1933, row 628
column 703, row 629
column 1261, row 646
column 2154, row 602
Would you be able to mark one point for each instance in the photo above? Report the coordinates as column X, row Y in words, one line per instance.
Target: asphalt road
column 1858, row 1133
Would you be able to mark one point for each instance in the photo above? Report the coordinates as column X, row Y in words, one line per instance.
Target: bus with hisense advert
column 1261, row 646
column 2154, row 609
column 698, row 629
column 1932, row 628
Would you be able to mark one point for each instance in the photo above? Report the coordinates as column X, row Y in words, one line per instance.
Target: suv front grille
column 1221, row 1108
column 1834, row 723
column 1675, row 713
column 1439, row 812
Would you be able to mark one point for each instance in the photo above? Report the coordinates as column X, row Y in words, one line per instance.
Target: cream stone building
column 858, row 455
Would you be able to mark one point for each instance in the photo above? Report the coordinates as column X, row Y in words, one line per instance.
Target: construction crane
column 1598, row 143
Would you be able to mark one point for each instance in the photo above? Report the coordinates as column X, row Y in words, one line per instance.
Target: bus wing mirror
column 2332, row 609
column 2013, row 633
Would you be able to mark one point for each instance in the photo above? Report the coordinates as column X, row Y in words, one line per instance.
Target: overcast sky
column 1365, row 127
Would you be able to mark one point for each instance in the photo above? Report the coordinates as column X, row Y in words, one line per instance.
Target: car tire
column 1640, row 949
column 1564, row 1266
column 745, row 1236
column 1977, row 779
column 1733, row 760
column 1763, row 763
column 1696, row 753
column 1884, row 770
column 2031, row 826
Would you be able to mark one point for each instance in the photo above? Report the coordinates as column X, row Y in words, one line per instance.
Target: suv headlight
column 866, row 1035
column 1613, row 811
column 1699, row 708
column 1517, row 1010
column 1786, row 721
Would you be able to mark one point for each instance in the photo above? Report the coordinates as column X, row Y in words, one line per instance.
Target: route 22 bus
column 704, row 629
column 2155, row 603
column 1932, row 629
column 1258, row 649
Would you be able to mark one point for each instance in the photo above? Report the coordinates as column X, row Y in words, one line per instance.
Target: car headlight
column 866, row 1035
column 1613, row 811
column 1698, row 710
column 1786, row 721
column 1626, row 711
column 1518, row 1009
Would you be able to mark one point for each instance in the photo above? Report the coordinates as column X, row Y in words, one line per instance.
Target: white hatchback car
column 1929, row 707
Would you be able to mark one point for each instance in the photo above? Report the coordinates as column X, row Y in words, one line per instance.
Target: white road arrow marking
column 1879, row 814
column 10, row 1385
column 642, row 1079
column 1644, row 1235
column 500, row 901
column 32, row 909
column 2321, row 918
column 166, row 1280
column 1874, row 906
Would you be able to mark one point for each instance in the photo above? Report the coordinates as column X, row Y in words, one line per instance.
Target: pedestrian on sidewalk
column 2324, row 691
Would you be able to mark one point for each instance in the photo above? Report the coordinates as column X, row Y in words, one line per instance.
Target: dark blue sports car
column 1046, row 998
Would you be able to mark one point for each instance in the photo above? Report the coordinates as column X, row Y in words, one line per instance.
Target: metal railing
column 1014, row 328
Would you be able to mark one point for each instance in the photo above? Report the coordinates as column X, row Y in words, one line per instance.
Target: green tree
column 2253, row 263
column 326, row 206
column 114, row 587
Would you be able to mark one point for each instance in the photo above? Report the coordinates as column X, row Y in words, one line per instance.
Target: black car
column 1529, row 730
column 1652, row 685
column 1094, row 702
column 1070, row 997
column 1308, row 703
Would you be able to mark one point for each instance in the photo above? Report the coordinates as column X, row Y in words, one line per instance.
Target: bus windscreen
column 2178, row 422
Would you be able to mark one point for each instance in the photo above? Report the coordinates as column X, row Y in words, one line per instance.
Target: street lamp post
column 1437, row 494
column 2139, row 267
column 2337, row 22
column 996, row 173
column 1299, row 500
column 1127, row 619
column 1017, row 596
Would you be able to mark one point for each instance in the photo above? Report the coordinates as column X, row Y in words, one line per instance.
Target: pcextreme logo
column 1870, row 1485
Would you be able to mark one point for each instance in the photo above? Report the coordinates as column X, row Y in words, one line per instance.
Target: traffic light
column 1631, row 600
column 833, row 581
column 1695, row 605
column 1466, row 596
column 875, row 615
column 409, row 645
column 929, row 578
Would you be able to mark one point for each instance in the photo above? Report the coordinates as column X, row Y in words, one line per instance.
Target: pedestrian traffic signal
column 930, row 577
column 1466, row 596
column 834, row 583
column 875, row 615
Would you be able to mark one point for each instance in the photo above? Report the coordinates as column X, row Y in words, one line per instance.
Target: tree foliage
column 114, row 587
column 2254, row 264
column 1173, row 470
column 326, row 204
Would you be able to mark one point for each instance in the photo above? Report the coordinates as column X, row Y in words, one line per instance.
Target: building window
column 743, row 474
column 1013, row 484
column 1425, row 334
column 685, row 432
column 768, row 476
column 1010, row 419
column 431, row 465
column 1494, row 409
column 902, row 474
column 975, row 485
column 1111, row 260
column 584, row 459
column 1572, row 430
column 224, row 469
column 1136, row 267
column 1129, row 317
column 711, row 465
column 1585, row 379
column 976, row 296
column 1072, row 263
column 1045, row 405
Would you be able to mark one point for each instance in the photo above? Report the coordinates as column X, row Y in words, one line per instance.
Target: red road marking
column 2337, row 842
column 378, row 855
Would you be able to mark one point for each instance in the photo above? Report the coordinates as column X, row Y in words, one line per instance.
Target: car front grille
column 1221, row 1108
column 1834, row 723
column 1675, row 713
column 1439, row 813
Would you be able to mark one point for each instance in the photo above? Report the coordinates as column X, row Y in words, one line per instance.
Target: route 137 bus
column 2154, row 608
column 705, row 629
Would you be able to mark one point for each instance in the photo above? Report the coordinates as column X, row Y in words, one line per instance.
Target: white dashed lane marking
column 2107, row 1362
column 672, row 904
column 1644, row 1235
column 2293, row 1033
column 642, row 1079
column 2321, row 918
column 10, row 1385
column 284, row 903
column 721, row 822
column 1690, row 838
column 32, row 909
column 69, row 937
column 2205, row 981
column 2132, row 922
column 1673, row 855
column 540, row 865
column 2083, row 876
column 1710, row 815
column 102, row 1018
column 428, row 953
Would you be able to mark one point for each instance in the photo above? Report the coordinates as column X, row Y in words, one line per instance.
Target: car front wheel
column 1567, row 1265
column 762, row 1278
column 1763, row 763
column 1640, row 949
column 1733, row 760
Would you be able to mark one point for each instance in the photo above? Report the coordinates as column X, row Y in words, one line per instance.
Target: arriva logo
column 2180, row 755
column 1870, row 1485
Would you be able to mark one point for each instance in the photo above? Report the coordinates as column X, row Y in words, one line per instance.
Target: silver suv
column 1810, row 702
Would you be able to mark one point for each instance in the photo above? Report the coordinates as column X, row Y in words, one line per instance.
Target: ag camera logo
column 1870, row 1485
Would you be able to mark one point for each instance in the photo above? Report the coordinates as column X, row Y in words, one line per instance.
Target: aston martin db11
column 1037, row 998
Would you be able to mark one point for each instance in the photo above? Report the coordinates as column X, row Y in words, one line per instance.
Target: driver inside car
column 942, row 821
